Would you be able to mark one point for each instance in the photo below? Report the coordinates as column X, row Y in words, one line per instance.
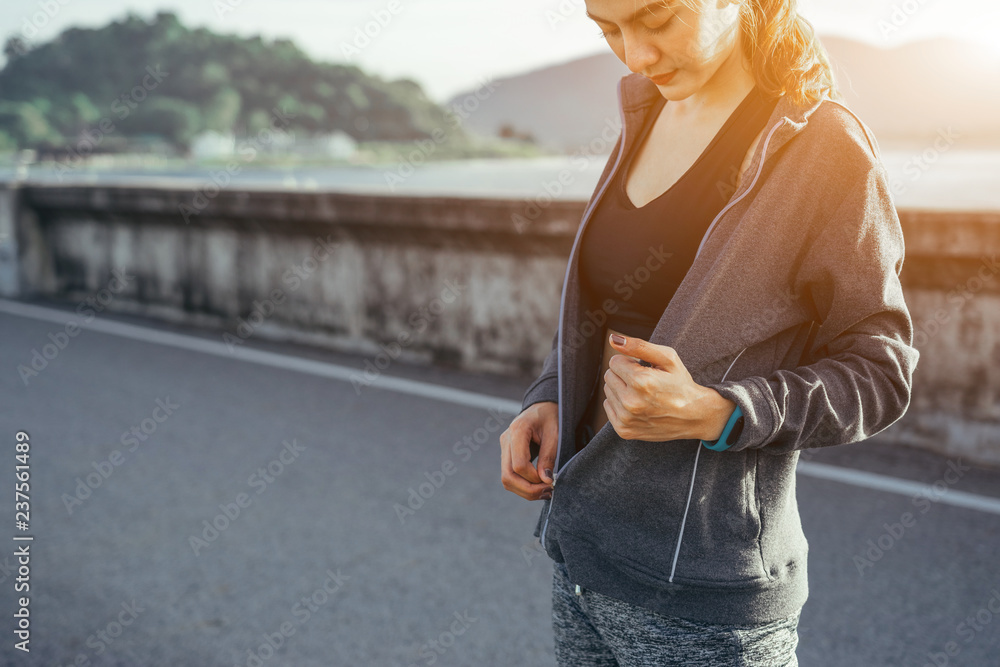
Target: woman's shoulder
column 832, row 136
column 837, row 133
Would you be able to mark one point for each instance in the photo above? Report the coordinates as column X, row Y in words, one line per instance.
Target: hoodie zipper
column 760, row 167
column 562, row 304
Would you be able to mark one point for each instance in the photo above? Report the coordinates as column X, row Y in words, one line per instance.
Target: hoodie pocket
column 721, row 540
column 626, row 499
column 626, row 496
column 755, row 514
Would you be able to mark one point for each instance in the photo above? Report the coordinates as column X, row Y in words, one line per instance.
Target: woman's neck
column 729, row 86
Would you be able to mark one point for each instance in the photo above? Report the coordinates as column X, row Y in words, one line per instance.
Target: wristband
column 730, row 434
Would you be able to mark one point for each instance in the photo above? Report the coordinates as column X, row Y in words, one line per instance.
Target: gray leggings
column 592, row 629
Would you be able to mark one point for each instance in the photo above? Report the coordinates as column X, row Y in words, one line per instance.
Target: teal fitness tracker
column 730, row 434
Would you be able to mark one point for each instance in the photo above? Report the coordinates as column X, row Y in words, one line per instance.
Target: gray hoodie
column 793, row 310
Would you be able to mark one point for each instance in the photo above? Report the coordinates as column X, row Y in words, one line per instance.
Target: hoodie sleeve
column 860, row 378
column 546, row 385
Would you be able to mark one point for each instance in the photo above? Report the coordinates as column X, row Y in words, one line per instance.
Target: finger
column 547, row 454
column 522, row 477
column 613, row 414
column 624, row 367
column 660, row 356
column 614, row 383
column 508, row 478
column 624, row 400
column 520, row 454
column 547, row 435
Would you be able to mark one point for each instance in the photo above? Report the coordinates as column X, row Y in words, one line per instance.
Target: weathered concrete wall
column 9, row 205
column 448, row 280
column 951, row 277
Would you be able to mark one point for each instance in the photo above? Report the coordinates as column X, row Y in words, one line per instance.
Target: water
column 952, row 180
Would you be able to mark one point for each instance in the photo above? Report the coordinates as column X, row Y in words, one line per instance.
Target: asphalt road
column 252, row 500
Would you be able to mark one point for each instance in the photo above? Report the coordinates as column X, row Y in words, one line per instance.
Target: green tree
column 27, row 125
column 14, row 48
column 223, row 111
column 174, row 119
column 160, row 77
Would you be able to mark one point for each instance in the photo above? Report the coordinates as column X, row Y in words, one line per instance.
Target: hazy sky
column 452, row 45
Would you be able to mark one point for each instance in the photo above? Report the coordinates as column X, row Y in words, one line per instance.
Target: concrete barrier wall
column 473, row 283
column 9, row 206
column 951, row 278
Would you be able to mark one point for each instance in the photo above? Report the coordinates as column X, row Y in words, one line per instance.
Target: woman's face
column 690, row 38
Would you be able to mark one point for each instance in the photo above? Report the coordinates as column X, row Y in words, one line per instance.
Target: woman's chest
column 666, row 155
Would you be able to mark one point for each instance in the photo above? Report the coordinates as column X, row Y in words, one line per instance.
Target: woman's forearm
column 714, row 411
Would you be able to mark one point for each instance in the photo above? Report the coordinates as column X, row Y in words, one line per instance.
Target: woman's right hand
column 538, row 422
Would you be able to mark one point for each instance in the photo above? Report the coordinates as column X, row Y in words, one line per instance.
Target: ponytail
column 785, row 56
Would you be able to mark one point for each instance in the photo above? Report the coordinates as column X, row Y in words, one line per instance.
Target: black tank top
column 622, row 252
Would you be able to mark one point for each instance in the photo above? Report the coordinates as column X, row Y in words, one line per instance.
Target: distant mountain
column 909, row 93
column 906, row 95
column 160, row 80
column 560, row 105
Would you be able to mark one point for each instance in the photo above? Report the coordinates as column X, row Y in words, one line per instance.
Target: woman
column 735, row 284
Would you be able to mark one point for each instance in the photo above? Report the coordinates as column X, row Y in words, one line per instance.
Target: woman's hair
column 785, row 56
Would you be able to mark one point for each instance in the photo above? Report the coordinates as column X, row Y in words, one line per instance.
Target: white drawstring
column 694, row 471
column 677, row 551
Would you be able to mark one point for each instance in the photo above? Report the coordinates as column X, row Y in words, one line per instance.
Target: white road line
column 849, row 476
column 903, row 487
column 275, row 360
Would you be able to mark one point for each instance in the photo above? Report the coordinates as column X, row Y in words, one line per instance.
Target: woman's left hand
column 661, row 401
